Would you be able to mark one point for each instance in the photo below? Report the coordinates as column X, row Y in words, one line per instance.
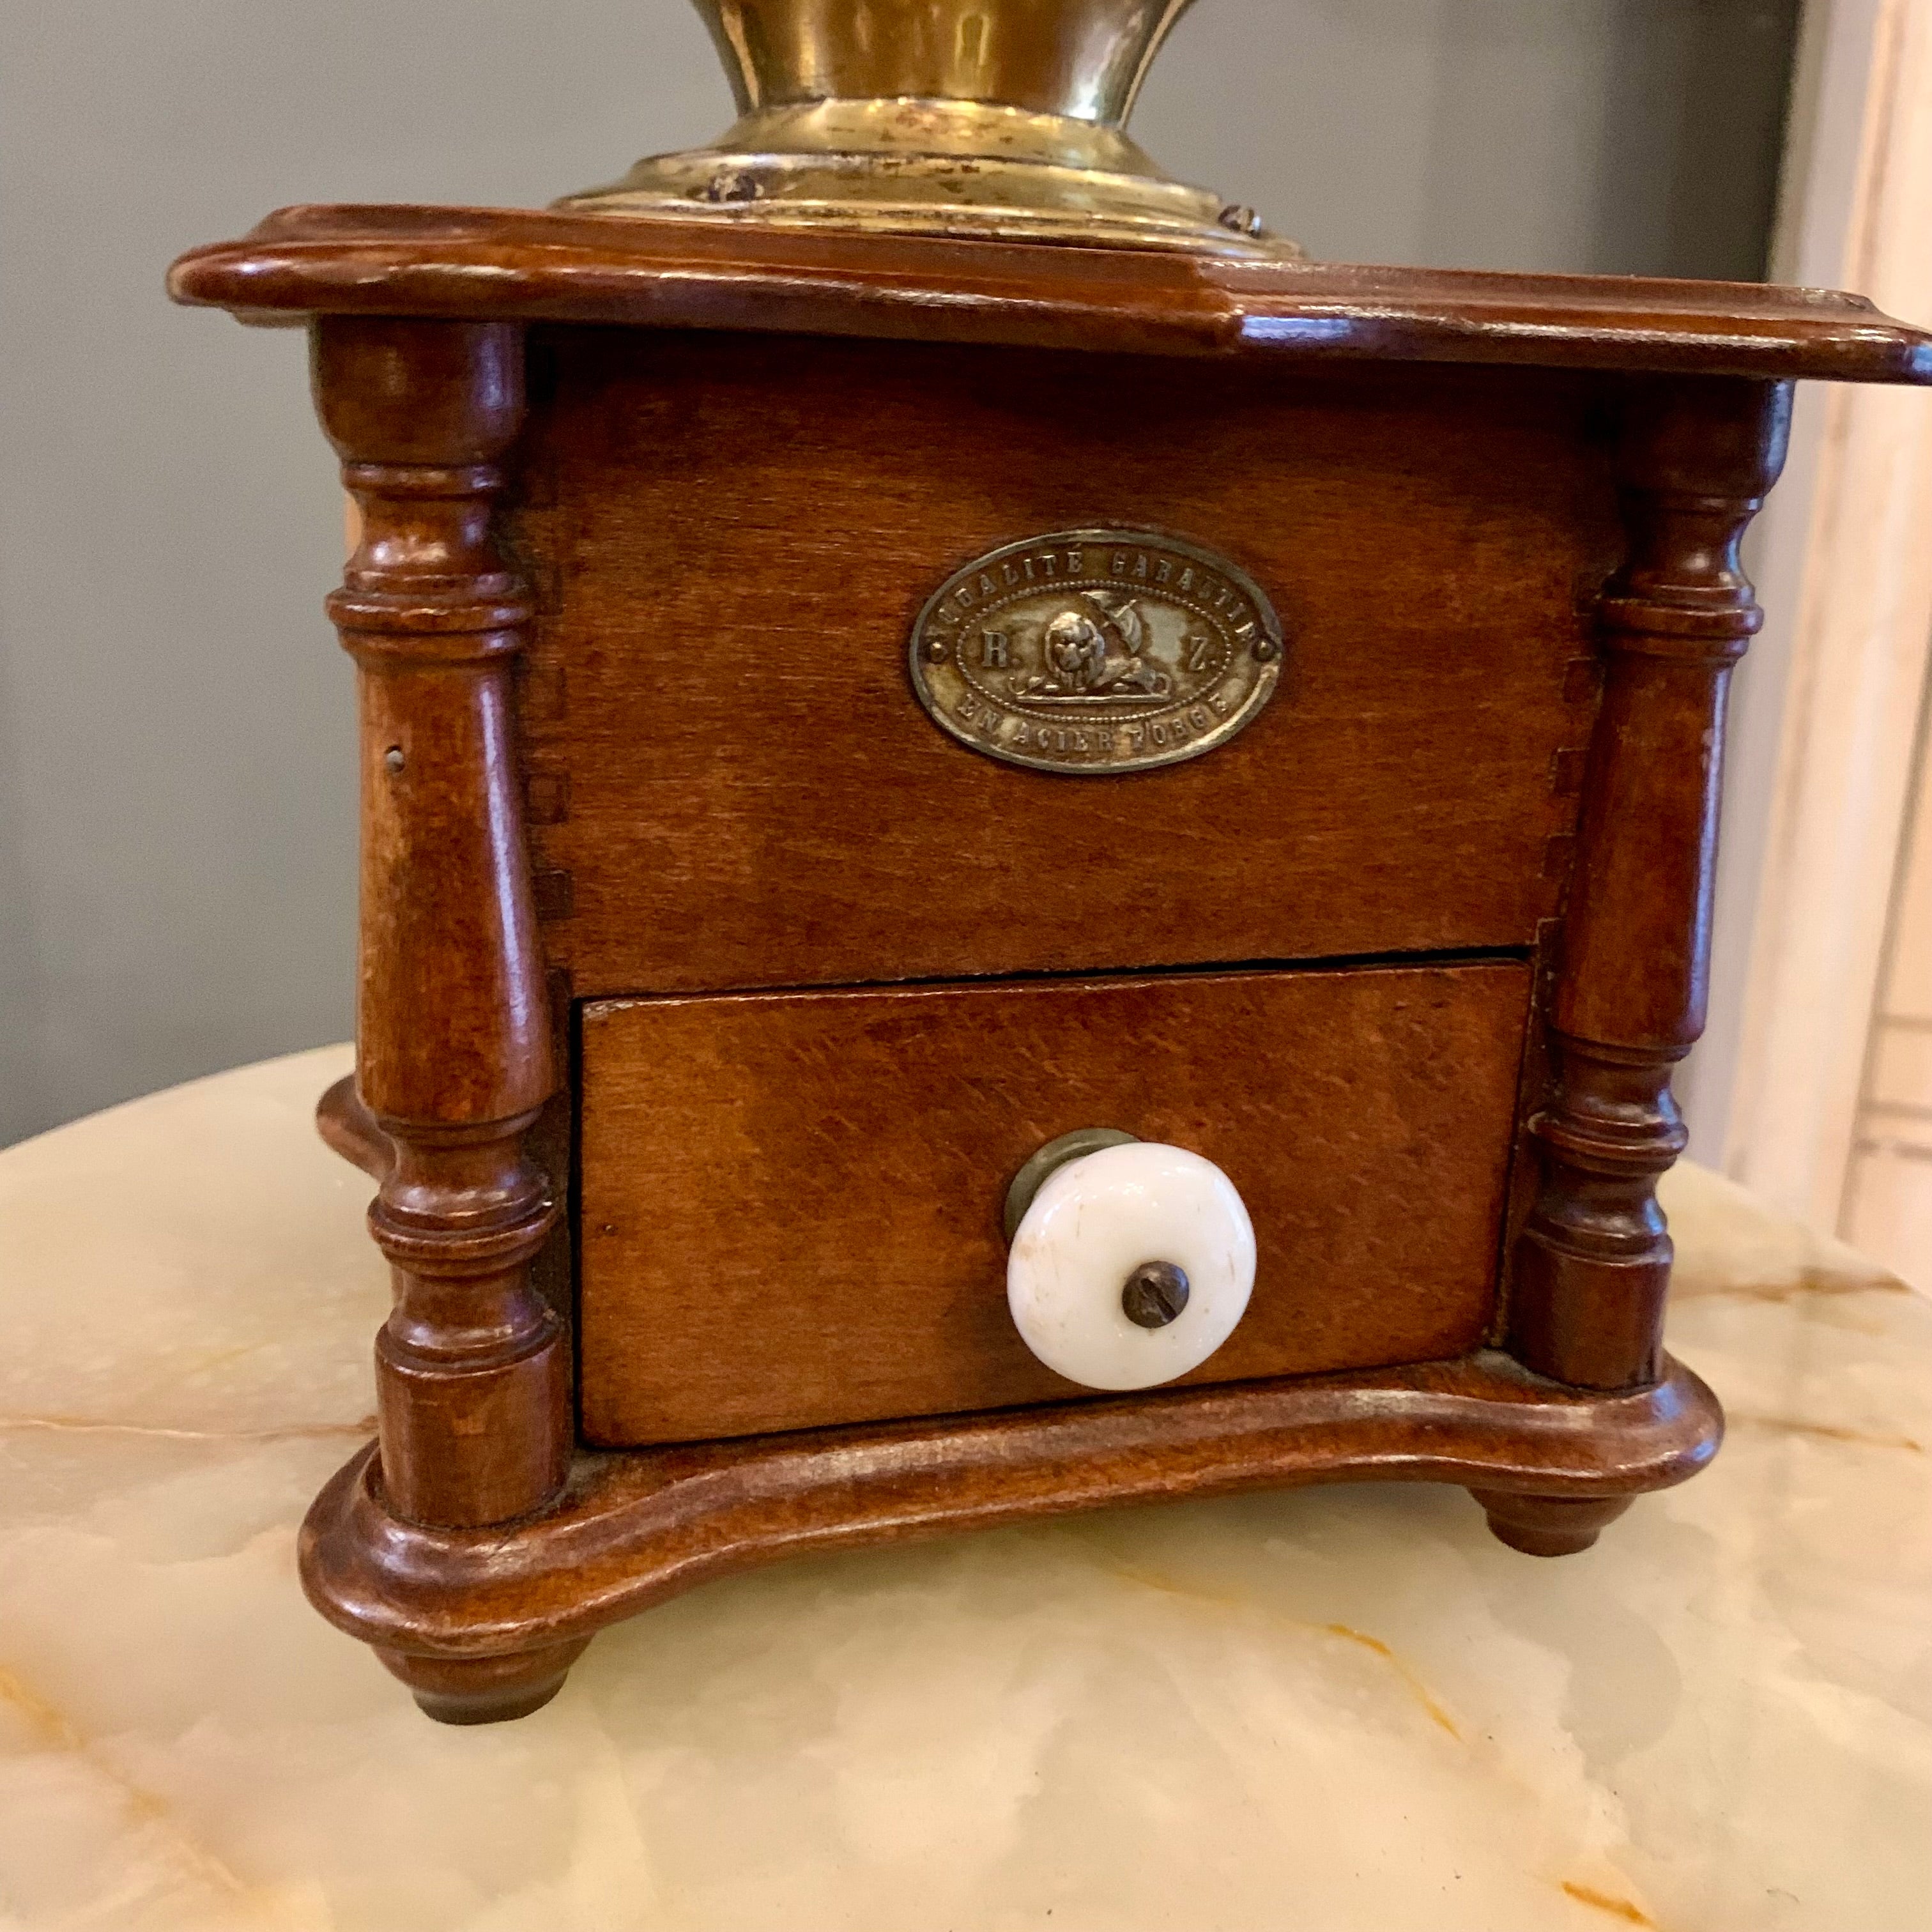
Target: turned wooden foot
column 485, row 1690
column 1549, row 1526
column 349, row 1127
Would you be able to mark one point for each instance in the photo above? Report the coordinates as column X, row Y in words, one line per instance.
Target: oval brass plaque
column 1096, row 651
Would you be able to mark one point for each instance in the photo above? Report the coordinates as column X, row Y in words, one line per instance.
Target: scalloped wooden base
column 483, row 1624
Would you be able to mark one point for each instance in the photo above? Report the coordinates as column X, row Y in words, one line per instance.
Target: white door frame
column 1827, row 716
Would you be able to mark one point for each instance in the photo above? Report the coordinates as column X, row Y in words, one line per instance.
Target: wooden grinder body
column 710, row 995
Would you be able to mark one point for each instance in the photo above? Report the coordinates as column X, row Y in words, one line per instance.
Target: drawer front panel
column 733, row 785
column 789, row 1203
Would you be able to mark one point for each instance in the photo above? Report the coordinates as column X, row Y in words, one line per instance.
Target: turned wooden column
column 1592, row 1265
column 453, row 1036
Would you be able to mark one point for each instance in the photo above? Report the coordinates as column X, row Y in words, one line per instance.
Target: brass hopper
column 1000, row 117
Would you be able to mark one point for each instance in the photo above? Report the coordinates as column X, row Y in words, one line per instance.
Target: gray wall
column 177, row 827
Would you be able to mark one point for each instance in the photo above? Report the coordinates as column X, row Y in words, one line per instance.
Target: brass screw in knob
column 1156, row 1292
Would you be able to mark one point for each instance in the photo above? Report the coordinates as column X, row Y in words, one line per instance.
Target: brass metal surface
column 1096, row 652
column 994, row 118
column 1082, row 58
column 1050, row 1159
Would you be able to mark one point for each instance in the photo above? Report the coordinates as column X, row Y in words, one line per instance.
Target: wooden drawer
column 790, row 1203
column 732, row 785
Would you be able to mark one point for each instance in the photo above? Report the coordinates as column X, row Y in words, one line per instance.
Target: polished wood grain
column 732, row 537
column 633, row 1529
column 1593, row 1264
column 495, row 263
column 453, row 1034
column 791, row 1203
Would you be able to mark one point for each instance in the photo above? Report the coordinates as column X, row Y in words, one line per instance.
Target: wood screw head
column 1155, row 1293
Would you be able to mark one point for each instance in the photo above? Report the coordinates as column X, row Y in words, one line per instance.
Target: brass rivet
column 1156, row 1292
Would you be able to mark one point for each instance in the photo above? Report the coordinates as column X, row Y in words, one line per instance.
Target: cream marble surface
column 1327, row 1709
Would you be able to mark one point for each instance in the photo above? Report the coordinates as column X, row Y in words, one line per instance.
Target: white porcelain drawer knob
column 1131, row 1264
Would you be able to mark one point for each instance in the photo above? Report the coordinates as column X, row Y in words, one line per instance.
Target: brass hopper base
column 1003, row 119
column 910, row 165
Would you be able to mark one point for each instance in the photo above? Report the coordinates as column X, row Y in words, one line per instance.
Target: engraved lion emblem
column 1097, row 649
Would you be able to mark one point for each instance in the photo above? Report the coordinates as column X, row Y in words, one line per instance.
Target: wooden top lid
column 508, row 265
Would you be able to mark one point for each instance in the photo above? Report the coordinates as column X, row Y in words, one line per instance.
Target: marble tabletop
column 1320, row 1710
